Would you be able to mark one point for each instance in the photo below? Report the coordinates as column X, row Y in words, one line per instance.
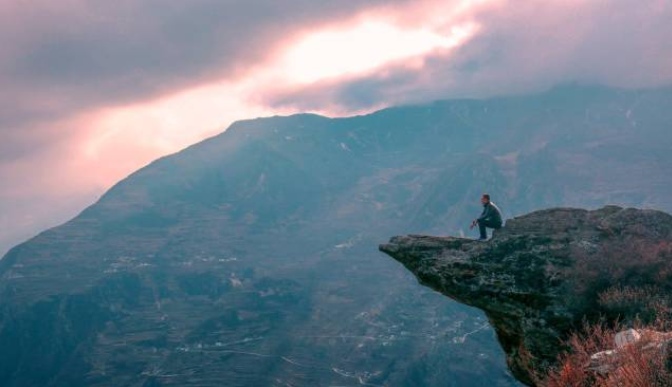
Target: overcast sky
column 91, row 90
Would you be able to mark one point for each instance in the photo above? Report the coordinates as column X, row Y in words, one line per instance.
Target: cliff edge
column 542, row 275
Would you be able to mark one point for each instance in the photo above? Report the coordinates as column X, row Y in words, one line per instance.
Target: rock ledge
column 540, row 275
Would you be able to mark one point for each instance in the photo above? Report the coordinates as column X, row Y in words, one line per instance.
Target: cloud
column 71, row 55
column 519, row 47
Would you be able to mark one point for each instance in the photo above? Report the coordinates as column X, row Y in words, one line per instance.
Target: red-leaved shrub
column 644, row 363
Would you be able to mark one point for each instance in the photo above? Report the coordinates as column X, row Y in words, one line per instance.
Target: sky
column 92, row 90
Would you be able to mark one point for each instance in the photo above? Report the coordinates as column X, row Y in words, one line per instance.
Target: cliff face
column 541, row 275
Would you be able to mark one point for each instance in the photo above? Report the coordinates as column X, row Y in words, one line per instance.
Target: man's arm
column 485, row 214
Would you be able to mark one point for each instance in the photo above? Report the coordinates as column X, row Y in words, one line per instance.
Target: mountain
column 251, row 258
column 541, row 277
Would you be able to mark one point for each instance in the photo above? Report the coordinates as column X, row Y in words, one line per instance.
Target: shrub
column 645, row 303
column 622, row 280
column 641, row 364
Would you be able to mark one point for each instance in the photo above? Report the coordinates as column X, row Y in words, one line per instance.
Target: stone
column 626, row 337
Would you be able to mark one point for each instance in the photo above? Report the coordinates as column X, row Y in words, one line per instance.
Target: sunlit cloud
column 333, row 53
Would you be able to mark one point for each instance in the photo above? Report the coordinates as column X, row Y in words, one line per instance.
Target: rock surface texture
column 540, row 276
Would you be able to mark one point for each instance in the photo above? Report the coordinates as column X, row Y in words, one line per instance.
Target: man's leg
column 481, row 228
column 482, row 225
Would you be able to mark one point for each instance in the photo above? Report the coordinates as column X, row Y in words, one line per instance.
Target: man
column 491, row 217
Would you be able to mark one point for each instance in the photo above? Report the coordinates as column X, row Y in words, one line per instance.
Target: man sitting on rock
column 491, row 217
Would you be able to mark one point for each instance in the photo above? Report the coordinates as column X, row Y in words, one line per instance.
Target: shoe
column 482, row 239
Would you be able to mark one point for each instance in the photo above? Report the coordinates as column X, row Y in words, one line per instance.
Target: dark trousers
column 483, row 224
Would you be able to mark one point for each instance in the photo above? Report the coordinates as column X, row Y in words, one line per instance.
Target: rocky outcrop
column 541, row 275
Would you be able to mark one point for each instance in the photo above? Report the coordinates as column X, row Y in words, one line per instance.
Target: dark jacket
column 491, row 215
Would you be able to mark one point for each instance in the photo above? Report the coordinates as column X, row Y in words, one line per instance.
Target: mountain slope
column 251, row 258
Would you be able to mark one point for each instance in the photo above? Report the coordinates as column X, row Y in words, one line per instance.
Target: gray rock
column 539, row 276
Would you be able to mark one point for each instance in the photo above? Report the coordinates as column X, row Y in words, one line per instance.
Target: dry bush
column 645, row 303
column 641, row 364
column 622, row 279
column 627, row 283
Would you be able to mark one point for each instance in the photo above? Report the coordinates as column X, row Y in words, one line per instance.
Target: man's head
column 485, row 199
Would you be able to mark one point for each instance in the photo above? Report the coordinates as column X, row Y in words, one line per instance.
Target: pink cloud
column 519, row 47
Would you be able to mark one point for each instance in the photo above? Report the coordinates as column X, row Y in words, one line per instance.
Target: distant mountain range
column 250, row 259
